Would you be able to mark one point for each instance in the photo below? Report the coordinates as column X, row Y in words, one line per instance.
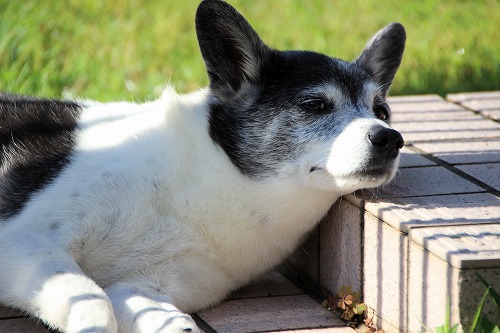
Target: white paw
column 162, row 322
column 184, row 324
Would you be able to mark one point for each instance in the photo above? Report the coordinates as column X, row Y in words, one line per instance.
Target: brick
column 385, row 273
column 463, row 151
column 269, row 314
column 487, row 173
column 461, row 97
column 270, row 284
column 465, row 128
column 482, row 104
column 409, row 158
column 463, row 246
column 340, row 248
column 443, row 210
column 493, row 114
column 422, row 181
column 321, row 330
column 6, row 312
column 432, row 283
column 414, row 99
column 22, row 325
column 421, row 110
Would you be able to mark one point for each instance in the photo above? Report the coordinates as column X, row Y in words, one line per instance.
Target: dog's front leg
column 42, row 279
column 139, row 308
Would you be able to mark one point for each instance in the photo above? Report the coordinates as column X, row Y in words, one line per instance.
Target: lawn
column 129, row 49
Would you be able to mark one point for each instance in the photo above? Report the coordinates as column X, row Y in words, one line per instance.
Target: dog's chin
column 355, row 180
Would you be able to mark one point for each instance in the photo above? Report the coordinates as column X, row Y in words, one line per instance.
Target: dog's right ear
column 232, row 50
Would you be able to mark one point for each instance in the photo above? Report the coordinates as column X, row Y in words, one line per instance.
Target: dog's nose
column 386, row 140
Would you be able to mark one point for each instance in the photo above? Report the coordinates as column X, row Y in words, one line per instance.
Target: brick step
column 420, row 242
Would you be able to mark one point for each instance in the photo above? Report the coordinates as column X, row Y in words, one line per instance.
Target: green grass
column 129, row 49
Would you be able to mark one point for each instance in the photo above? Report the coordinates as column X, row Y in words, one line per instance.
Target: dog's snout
column 386, row 140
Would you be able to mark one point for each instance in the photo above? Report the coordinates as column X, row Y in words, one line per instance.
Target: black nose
column 386, row 141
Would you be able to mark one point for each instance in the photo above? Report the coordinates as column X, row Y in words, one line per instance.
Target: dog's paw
column 167, row 323
column 184, row 324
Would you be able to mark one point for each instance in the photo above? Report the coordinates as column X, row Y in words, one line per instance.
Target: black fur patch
column 36, row 140
column 273, row 106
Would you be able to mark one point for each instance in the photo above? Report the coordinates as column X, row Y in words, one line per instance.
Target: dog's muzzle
column 386, row 142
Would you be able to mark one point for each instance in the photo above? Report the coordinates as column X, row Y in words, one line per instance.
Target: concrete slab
column 455, row 129
column 385, row 273
column 9, row 313
column 415, row 99
column 415, row 182
column 410, row 158
column 22, row 325
column 320, row 330
column 443, row 210
column 340, row 248
column 487, row 104
column 463, row 247
column 487, row 173
column 269, row 314
column 462, row 97
column 270, row 284
column 463, row 151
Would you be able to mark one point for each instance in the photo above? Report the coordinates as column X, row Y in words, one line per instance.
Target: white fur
column 154, row 213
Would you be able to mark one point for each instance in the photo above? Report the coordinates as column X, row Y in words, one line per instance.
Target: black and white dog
column 124, row 217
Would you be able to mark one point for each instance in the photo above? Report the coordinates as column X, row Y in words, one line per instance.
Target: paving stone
column 461, row 97
column 463, row 151
column 409, row 159
column 340, row 248
column 463, row 247
column 493, row 114
column 414, row 99
column 487, row 173
column 443, row 210
column 487, row 103
column 466, row 128
column 487, row 107
column 432, row 285
column 9, row 312
column 270, row 284
column 482, row 104
column 385, row 273
column 421, row 111
column 21, row 325
column 413, row 182
column 269, row 314
column 320, row 330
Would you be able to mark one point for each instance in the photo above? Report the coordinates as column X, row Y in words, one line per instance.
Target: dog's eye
column 381, row 112
column 313, row 105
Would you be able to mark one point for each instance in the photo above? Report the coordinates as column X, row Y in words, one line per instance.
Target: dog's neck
column 225, row 198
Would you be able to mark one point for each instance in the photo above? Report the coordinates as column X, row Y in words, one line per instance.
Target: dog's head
column 300, row 115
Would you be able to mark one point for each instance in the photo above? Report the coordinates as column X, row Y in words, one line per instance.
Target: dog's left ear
column 232, row 50
column 382, row 55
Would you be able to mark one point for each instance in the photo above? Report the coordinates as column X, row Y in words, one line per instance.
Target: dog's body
column 123, row 215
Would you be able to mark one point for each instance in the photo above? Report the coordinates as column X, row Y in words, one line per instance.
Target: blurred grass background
column 129, row 49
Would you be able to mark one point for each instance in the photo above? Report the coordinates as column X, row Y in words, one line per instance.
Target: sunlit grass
column 129, row 49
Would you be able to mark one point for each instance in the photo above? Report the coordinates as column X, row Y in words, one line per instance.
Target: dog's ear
column 232, row 50
column 382, row 55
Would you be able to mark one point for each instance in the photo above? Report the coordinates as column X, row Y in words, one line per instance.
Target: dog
column 126, row 217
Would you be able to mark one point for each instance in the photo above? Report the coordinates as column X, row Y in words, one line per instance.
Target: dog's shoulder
column 36, row 138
